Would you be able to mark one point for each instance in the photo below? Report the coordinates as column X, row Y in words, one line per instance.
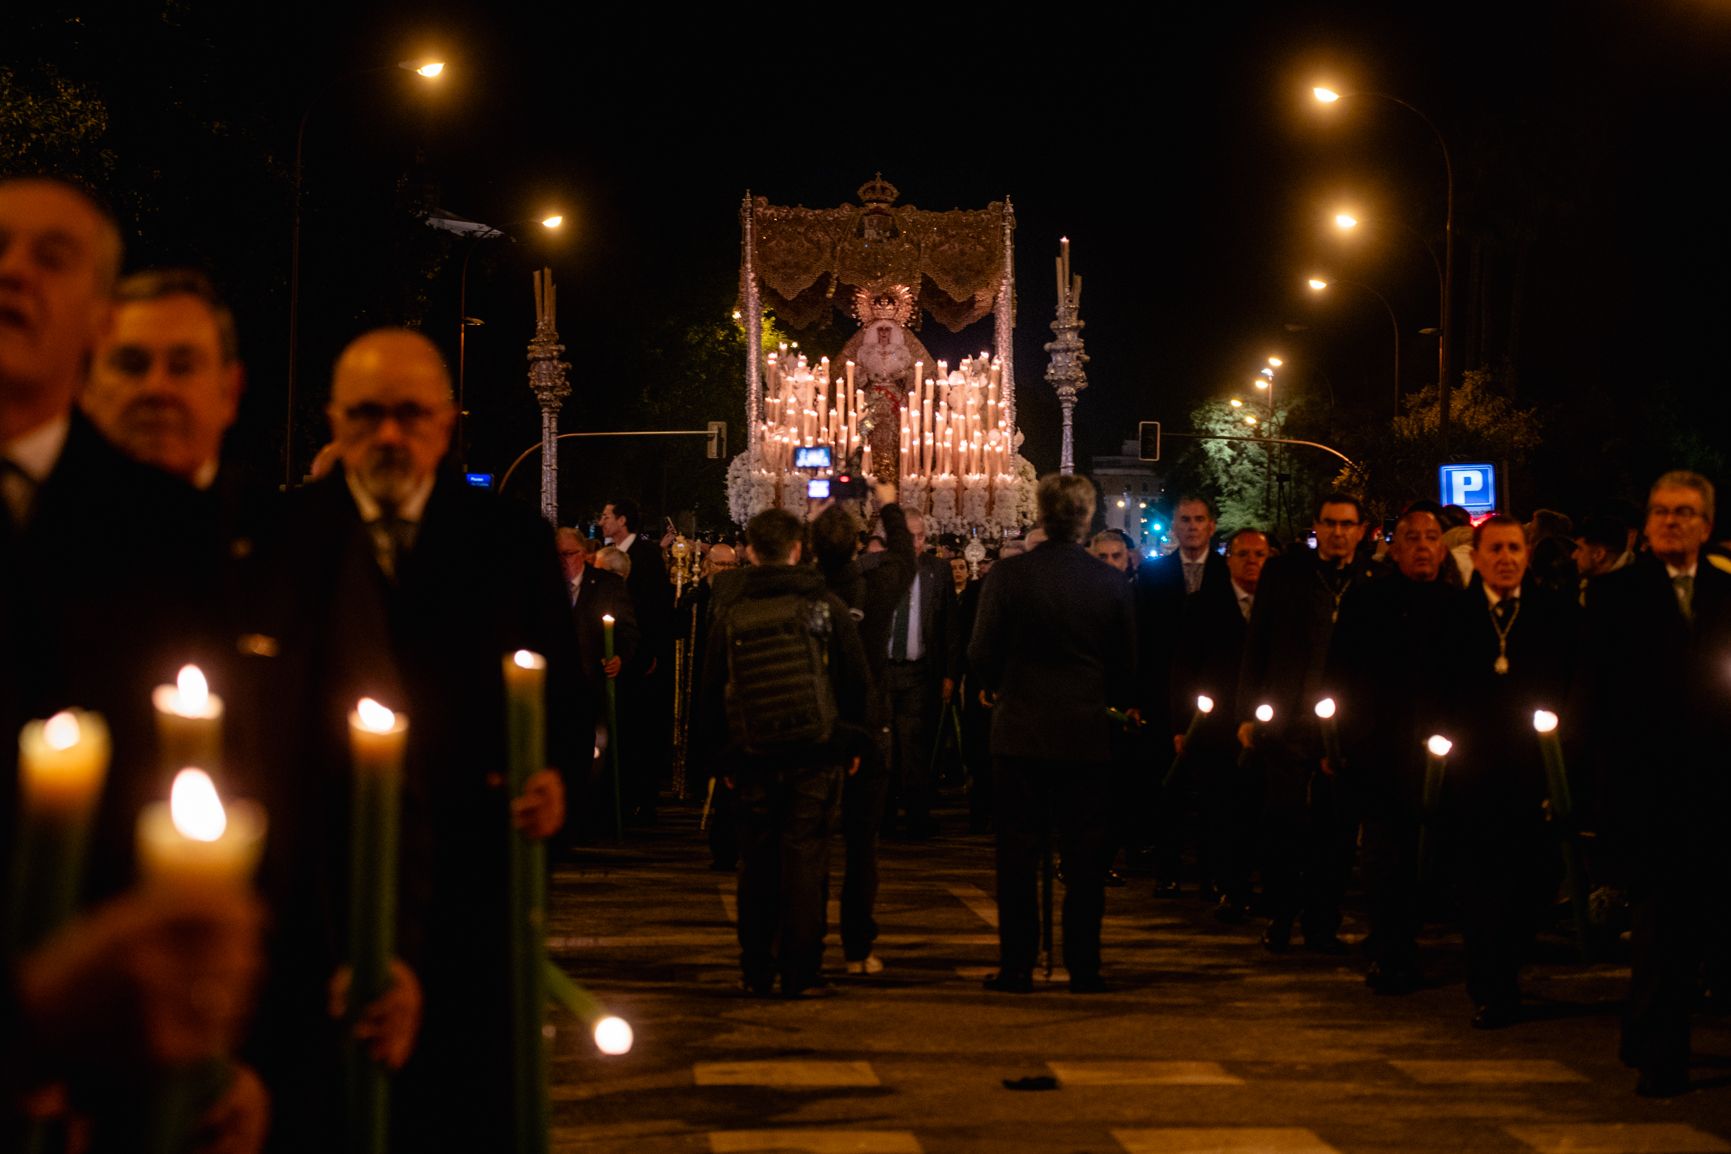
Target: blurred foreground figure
column 142, row 979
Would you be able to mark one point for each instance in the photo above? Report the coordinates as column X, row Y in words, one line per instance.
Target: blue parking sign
column 1472, row 487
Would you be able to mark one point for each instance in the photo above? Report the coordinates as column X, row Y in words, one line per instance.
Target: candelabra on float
column 1065, row 372
column 547, row 377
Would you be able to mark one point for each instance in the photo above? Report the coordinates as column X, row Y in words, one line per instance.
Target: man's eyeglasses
column 1331, row 523
column 1683, row 513
column 370, row 415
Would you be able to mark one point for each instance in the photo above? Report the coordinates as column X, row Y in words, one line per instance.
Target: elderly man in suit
column 647, row 683
column 919, row 679
column 1657, row 708
column 594, row 593
column 393, row 566
column 1055, row 644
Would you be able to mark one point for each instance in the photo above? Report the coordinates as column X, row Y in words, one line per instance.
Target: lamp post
column 1318, row 284
column 1327, row 95
column 1066, row 373
column 427, row 70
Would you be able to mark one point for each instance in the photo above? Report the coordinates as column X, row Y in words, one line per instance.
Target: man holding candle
column 1163, row 589
column 393, row 569
column 647, row 686
column 1382, row 674
column 595, row 593
column 1654, row 704
column 1508, row 645
column 1309, row 834
column 919, row 678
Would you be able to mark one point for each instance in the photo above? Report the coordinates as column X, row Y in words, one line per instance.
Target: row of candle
column 805, row 407
column 956, row 423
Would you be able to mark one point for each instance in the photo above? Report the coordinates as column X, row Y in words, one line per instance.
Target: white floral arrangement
column 976, row 494
column 943, row 512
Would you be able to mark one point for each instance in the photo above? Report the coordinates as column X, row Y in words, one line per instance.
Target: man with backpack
column 784, row 710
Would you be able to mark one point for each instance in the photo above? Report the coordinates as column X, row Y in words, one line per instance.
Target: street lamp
column 1326, row 95
column 427, row 70
column 1318, row 284
column 1347, row 222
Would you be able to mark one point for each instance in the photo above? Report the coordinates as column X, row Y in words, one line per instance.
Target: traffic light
column 1148, row 434
column 717, row 440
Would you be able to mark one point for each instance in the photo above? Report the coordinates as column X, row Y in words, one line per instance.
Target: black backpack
column 779, row 695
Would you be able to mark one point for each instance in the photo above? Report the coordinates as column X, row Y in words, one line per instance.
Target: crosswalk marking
column 1488, row 1072
column 1108, row 1073
column 814, row 1142
column 1620, row 1138
column 730, row 901
column 790, row 1072
column 978, row 900
column 1222, row 1140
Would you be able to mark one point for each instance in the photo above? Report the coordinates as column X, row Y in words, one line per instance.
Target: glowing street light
column 427, row 68
column 552, row 222
column 1276, row 362
column 1249, row 419
column 1317, row 283
column 1345, row 220
column 1325, row 95
column 1236, row 403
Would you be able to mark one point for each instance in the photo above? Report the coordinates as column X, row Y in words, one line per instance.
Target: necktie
column 393, row 537
column 1684, row 583
column 1192, row 576
column 17, row 494
column 1503, row 608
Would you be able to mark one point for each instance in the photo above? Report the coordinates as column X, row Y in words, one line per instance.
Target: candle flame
column 375, row 718
column 194, row 691
column 61, row 730
column 1265, row 713
column 607, row 618
column 613, row 1036
column 1204, row 703
column 1439, row 745
column 194, row 806
column 1325, row 708
column 524, row 659
column 1544, row 721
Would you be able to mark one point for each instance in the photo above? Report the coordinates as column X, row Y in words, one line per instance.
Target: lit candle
column 1545, row 724
column 188, row 723
column 192, row 841
column 1204, row 706
column 62, row 763
column 377, row 740
column 1330, row 732
column 1437, row 749
column 526, row 753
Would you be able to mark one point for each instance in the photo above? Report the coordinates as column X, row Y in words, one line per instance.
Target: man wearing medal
column 1508, row 647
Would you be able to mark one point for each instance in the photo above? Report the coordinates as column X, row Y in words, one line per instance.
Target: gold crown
column 878, row 192
column 895, row 303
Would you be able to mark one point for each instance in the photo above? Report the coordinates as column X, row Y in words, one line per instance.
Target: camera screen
column 818, row 487
column 811, row 457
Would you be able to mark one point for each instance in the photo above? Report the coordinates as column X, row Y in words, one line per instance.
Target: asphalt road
column 1207, row 1044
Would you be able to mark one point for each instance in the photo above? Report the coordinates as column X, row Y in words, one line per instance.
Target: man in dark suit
column 1655, row 651
column 648, row 679
column 1055, row 645
column 1163, row 589
column 1382, row 675
column 393, row 568
column 919, row 679
column 1206, row 654
column 1309, row 833
column 1507, row 649
column 594, row 593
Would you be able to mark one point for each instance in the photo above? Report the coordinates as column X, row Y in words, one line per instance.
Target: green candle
column 1204, row 706
column 612, row 724
column 1437, row 749
column 377, row 739
column 526, row 750
column 1563, row 823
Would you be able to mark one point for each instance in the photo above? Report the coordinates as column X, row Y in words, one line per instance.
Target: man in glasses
column 1658, row 720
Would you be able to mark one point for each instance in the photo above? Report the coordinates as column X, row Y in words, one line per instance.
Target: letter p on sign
column 1472, row 487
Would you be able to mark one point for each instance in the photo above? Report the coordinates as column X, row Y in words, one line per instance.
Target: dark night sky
column 1179, row 152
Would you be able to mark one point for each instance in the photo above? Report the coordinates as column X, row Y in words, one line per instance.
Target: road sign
column 1472, row 487
column 1148, row 435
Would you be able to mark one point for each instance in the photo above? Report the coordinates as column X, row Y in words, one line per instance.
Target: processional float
column 887, row 408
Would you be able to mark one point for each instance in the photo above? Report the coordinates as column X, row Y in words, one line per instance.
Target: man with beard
column 1382, row 676
column 393, row 579
column 1309, row 842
